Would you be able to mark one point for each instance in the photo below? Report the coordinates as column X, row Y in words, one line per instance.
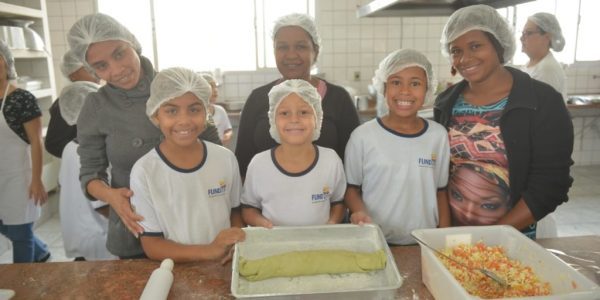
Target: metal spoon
column 485, row 272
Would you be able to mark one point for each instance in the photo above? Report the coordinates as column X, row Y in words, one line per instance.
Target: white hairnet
column 303, row 21
column 98, row 28
column 72, row 97
column 548, row 23
column 306, row 92
column 174, row 82
column 479, row 17
column 7, row 55
column 70, row 64
column 400, row 60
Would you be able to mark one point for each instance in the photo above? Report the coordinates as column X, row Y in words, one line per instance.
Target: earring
column 453, row 71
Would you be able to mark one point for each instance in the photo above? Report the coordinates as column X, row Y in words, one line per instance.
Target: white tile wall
column 586, row 148
column 351, row 44
column 62, row 14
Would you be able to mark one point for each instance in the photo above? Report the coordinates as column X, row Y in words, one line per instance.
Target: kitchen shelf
column 15, row 11
column 38, row 65
column 24, row 53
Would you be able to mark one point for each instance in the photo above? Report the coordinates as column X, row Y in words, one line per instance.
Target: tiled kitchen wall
column 354, row 46
column 62, row 14
column 357, row 45
column 586, row 149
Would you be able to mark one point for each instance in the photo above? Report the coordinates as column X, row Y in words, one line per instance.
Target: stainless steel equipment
column 261, row 242
column 18, row 35
column 423, row 8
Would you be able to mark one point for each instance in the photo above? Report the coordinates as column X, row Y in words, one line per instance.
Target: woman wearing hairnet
column 21, row 189
column 540, row 34
column 82, row 223
column 187, row 190
column 397, row 165
column 294, row 183
column 60, row 133
column 296, row 47
column 499, row 116
column 112, row 127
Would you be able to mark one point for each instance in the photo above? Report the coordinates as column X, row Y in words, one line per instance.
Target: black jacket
column 59, row 133
column 538, row 135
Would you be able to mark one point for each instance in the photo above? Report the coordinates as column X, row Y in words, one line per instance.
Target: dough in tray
column 311, row 262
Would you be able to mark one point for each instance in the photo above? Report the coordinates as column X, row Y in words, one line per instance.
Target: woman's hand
column 360, row 217
column 225, row 240
column 118, row 199
column 37, row 192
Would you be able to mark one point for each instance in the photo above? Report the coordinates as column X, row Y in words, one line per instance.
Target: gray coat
column 113, row 129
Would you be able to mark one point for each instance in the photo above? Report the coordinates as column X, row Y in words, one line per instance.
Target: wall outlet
column 356, row 75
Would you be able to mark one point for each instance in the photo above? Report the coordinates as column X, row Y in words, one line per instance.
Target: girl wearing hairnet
column 21, row 189
column 397, row 165
column 296, row 182
column 498, row 117
column 112, row 128
column 59, row 133
column 187, row 190
column 540, row 34
column 296, row 48
column 83, row 223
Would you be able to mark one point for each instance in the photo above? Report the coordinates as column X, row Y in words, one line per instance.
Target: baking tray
column 565, row 282
column 261, row 242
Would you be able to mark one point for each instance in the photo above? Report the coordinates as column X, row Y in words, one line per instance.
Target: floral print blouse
column 20, row 107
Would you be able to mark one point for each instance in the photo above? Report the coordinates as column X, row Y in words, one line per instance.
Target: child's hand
column 360, row 217
column 37, row 192
column 266, row 223
column 224, row 240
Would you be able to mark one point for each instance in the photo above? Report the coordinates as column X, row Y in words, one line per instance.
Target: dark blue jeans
column 26, row 246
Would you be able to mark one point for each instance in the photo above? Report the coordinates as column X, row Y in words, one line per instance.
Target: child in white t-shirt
column 187, row 190
column 397, row 165
column 219, row 114
column 296, row 182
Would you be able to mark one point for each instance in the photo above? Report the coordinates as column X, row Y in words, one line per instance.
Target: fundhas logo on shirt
column 320, row 197
column 218, row 191
column 428, row 162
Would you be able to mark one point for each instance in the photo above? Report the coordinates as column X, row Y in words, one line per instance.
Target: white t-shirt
column 221, row 120
column 187, row 206
column 295, row 199
column 548, row 70
column 399, row 175
column 83, row 229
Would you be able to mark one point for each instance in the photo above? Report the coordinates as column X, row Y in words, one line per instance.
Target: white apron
column 84, row 230
column 15, row 176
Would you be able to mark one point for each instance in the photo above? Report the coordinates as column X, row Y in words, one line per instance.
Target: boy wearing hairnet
column 397, row 165
column 296, row 182
column 60, row 133
column 83, row 227
column 187, row 190
column 541, row 33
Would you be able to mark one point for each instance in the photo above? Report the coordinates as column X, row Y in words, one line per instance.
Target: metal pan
column 261, row 242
